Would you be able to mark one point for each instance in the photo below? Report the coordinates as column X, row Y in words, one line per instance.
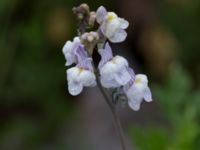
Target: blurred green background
column 36, row 111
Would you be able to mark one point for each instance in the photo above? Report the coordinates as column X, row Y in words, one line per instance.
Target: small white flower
column 69, row 51
column 82, row 75
column 111, row 25
column 113, row 70
column 138, row 91
column 79, row 78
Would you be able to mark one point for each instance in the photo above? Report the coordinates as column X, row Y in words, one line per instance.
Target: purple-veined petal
column 109, row 82
column 133, row 105
column 69, row 59
column 72, row 73
column 147, row 95
column 83, row 60
column 131, row 72
column 86, row 64
column 66, row 47
column 119, row 36
column 69, row 51
column 81, row 53
column 130, row 83
column 123, row 23
column 122, row 77
column 106, row 54
column 135, row 96
column 127, row 86
column 111, row 28
column 76, row 39
column 87, row 78
column 75, row 88
column 75, row 45
column 100, row 14
column 108, row 48
column 103, row 28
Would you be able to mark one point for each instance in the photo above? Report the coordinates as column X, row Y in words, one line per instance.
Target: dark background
column 36, row 111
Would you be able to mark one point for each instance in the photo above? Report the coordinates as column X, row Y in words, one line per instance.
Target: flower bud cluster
column 85, row 17
column 113, row 72
column 90, row 39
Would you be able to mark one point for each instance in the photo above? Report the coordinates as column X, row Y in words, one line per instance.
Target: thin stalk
column 114, row 114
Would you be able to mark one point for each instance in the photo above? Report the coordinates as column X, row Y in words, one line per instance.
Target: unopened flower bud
column 84, row 7
column 92, row 18
column 90, row 39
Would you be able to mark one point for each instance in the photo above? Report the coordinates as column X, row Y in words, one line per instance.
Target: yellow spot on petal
column 114, row 60
column 111, row 16
column 138, row 81
column 81, row 70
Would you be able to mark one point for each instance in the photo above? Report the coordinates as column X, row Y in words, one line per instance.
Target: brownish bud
column 92, row 18
column 90, row 39
column 84, row 7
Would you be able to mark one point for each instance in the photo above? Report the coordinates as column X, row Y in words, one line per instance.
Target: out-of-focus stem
column 114, row 114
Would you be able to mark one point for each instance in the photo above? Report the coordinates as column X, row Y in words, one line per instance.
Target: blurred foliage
column 179, row 96
column 182, row 18
column 180, row 105
column 34, row 107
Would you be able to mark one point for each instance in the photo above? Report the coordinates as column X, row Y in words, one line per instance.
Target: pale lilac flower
column 69, row 50
column 82, row 75
column 111, row 25
column 113, row 70
column 137, row 90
